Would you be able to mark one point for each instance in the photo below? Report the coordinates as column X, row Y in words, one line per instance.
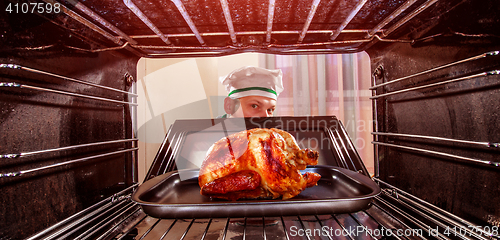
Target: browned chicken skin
column 257, row 163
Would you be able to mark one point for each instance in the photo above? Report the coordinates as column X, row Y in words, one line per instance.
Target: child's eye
column 254, row 106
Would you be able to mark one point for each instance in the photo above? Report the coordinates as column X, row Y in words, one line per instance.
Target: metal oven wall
column 35, row 197
column 466, row 108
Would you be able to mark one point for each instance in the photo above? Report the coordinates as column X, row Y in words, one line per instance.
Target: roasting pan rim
column 261, row 207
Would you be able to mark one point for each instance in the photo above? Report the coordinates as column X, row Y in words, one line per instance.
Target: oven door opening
column 314, row 85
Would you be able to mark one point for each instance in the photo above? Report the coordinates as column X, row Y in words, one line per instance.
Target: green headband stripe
column 253, row 88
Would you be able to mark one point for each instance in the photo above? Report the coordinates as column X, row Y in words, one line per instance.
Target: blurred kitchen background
column 337, row 84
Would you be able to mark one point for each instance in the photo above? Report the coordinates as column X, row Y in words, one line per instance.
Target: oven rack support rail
column 8, row 67
column 480, row 56
column 60, row 164
column 489, row 145
column 36, row 88
column 128, row 42
column 442, row 154
column 475, row 143
column 37, row 71
column 483, row 74
column 30, row 87
column 26, row 154
column 376, row 87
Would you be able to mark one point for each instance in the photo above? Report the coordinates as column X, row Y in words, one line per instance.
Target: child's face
column 255, row 106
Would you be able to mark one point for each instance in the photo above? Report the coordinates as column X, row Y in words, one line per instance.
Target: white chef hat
column 254, row 81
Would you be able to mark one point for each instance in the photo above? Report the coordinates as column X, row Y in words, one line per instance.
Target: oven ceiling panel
column 181, row 28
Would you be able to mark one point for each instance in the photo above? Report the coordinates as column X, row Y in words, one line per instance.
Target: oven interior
column 68, row 148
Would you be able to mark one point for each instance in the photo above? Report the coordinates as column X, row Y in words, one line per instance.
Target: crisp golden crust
column 233, row 163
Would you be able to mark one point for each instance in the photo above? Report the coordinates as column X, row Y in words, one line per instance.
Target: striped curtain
column 325, row 85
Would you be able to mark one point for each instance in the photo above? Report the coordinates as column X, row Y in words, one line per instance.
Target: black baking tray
column 338, row 191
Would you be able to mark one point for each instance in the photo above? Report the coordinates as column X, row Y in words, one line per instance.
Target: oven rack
column 112, row 210
column 393, row 215
column 371, row 37
column 441, row 218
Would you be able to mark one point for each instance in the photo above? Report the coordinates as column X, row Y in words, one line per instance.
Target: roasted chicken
column 257, row 163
